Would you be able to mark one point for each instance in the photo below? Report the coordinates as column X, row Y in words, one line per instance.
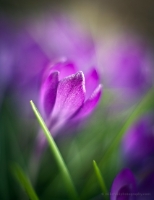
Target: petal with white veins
column 70, row 96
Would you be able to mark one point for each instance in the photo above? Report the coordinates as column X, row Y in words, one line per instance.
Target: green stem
column 54, row 149
column 24, row 181
column 100, row 180
column 130, row 120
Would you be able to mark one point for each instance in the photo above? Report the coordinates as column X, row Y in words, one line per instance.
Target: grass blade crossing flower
column 54, row 149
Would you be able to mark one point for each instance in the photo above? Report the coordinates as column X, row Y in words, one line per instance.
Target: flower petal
column 92, row 81
column 70, row 96
column 48, row 93
column 90, row 103
column 139, row 135
column 123, row 183
column 65, row 68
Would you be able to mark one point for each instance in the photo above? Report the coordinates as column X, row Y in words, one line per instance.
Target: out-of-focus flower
column 124, row 186
column 68, row 95
column 30, row 61
column 59, row 36
column 138, row 143
column 127, row 67
column 41, row 42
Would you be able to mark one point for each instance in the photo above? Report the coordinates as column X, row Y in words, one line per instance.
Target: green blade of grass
column 137, row 112
column 24, row 181
column 100, row 179
column 54, row 149
column 139, row 109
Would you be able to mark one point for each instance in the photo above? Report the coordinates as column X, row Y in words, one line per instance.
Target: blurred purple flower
column 126, row 187
column 123, row 186
column 41, row 42
column 128, row 67
column 30, row 61
column 67, row 95
column 138, row 144
column 60, row 37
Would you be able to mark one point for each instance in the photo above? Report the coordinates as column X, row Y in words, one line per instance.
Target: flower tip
column 77, row 76
column 98, row 91
column 80, row 73
column 80, row 76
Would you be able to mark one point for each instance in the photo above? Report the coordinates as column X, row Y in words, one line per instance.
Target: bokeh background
column 122, row 33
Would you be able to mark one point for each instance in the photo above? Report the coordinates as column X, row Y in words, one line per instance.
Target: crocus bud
column 124, row 186
column 68, row 95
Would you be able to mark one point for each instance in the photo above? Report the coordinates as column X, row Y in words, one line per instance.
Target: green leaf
column 100, row 179
column 24, row 181
column 54, row 149
column 140, row 108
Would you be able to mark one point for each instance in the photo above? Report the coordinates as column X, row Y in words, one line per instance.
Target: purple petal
column 70, row 96
column 65, row 69
column 92, row 81
column 62, row 37
column 89, row 104
column 139, row 135
column 48, row 93
column 123, row 184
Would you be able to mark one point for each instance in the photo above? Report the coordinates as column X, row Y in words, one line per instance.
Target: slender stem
column 100, row 180
column 130, row 120
column 24, row 181
column 54, row 149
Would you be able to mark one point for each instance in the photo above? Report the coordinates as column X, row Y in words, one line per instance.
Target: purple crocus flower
column 67, row 95
column 138, row 144
column 44, row 41
column 128, row 66
column 123, row 186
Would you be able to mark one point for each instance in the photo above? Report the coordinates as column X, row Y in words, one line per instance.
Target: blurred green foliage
column 94, row 140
